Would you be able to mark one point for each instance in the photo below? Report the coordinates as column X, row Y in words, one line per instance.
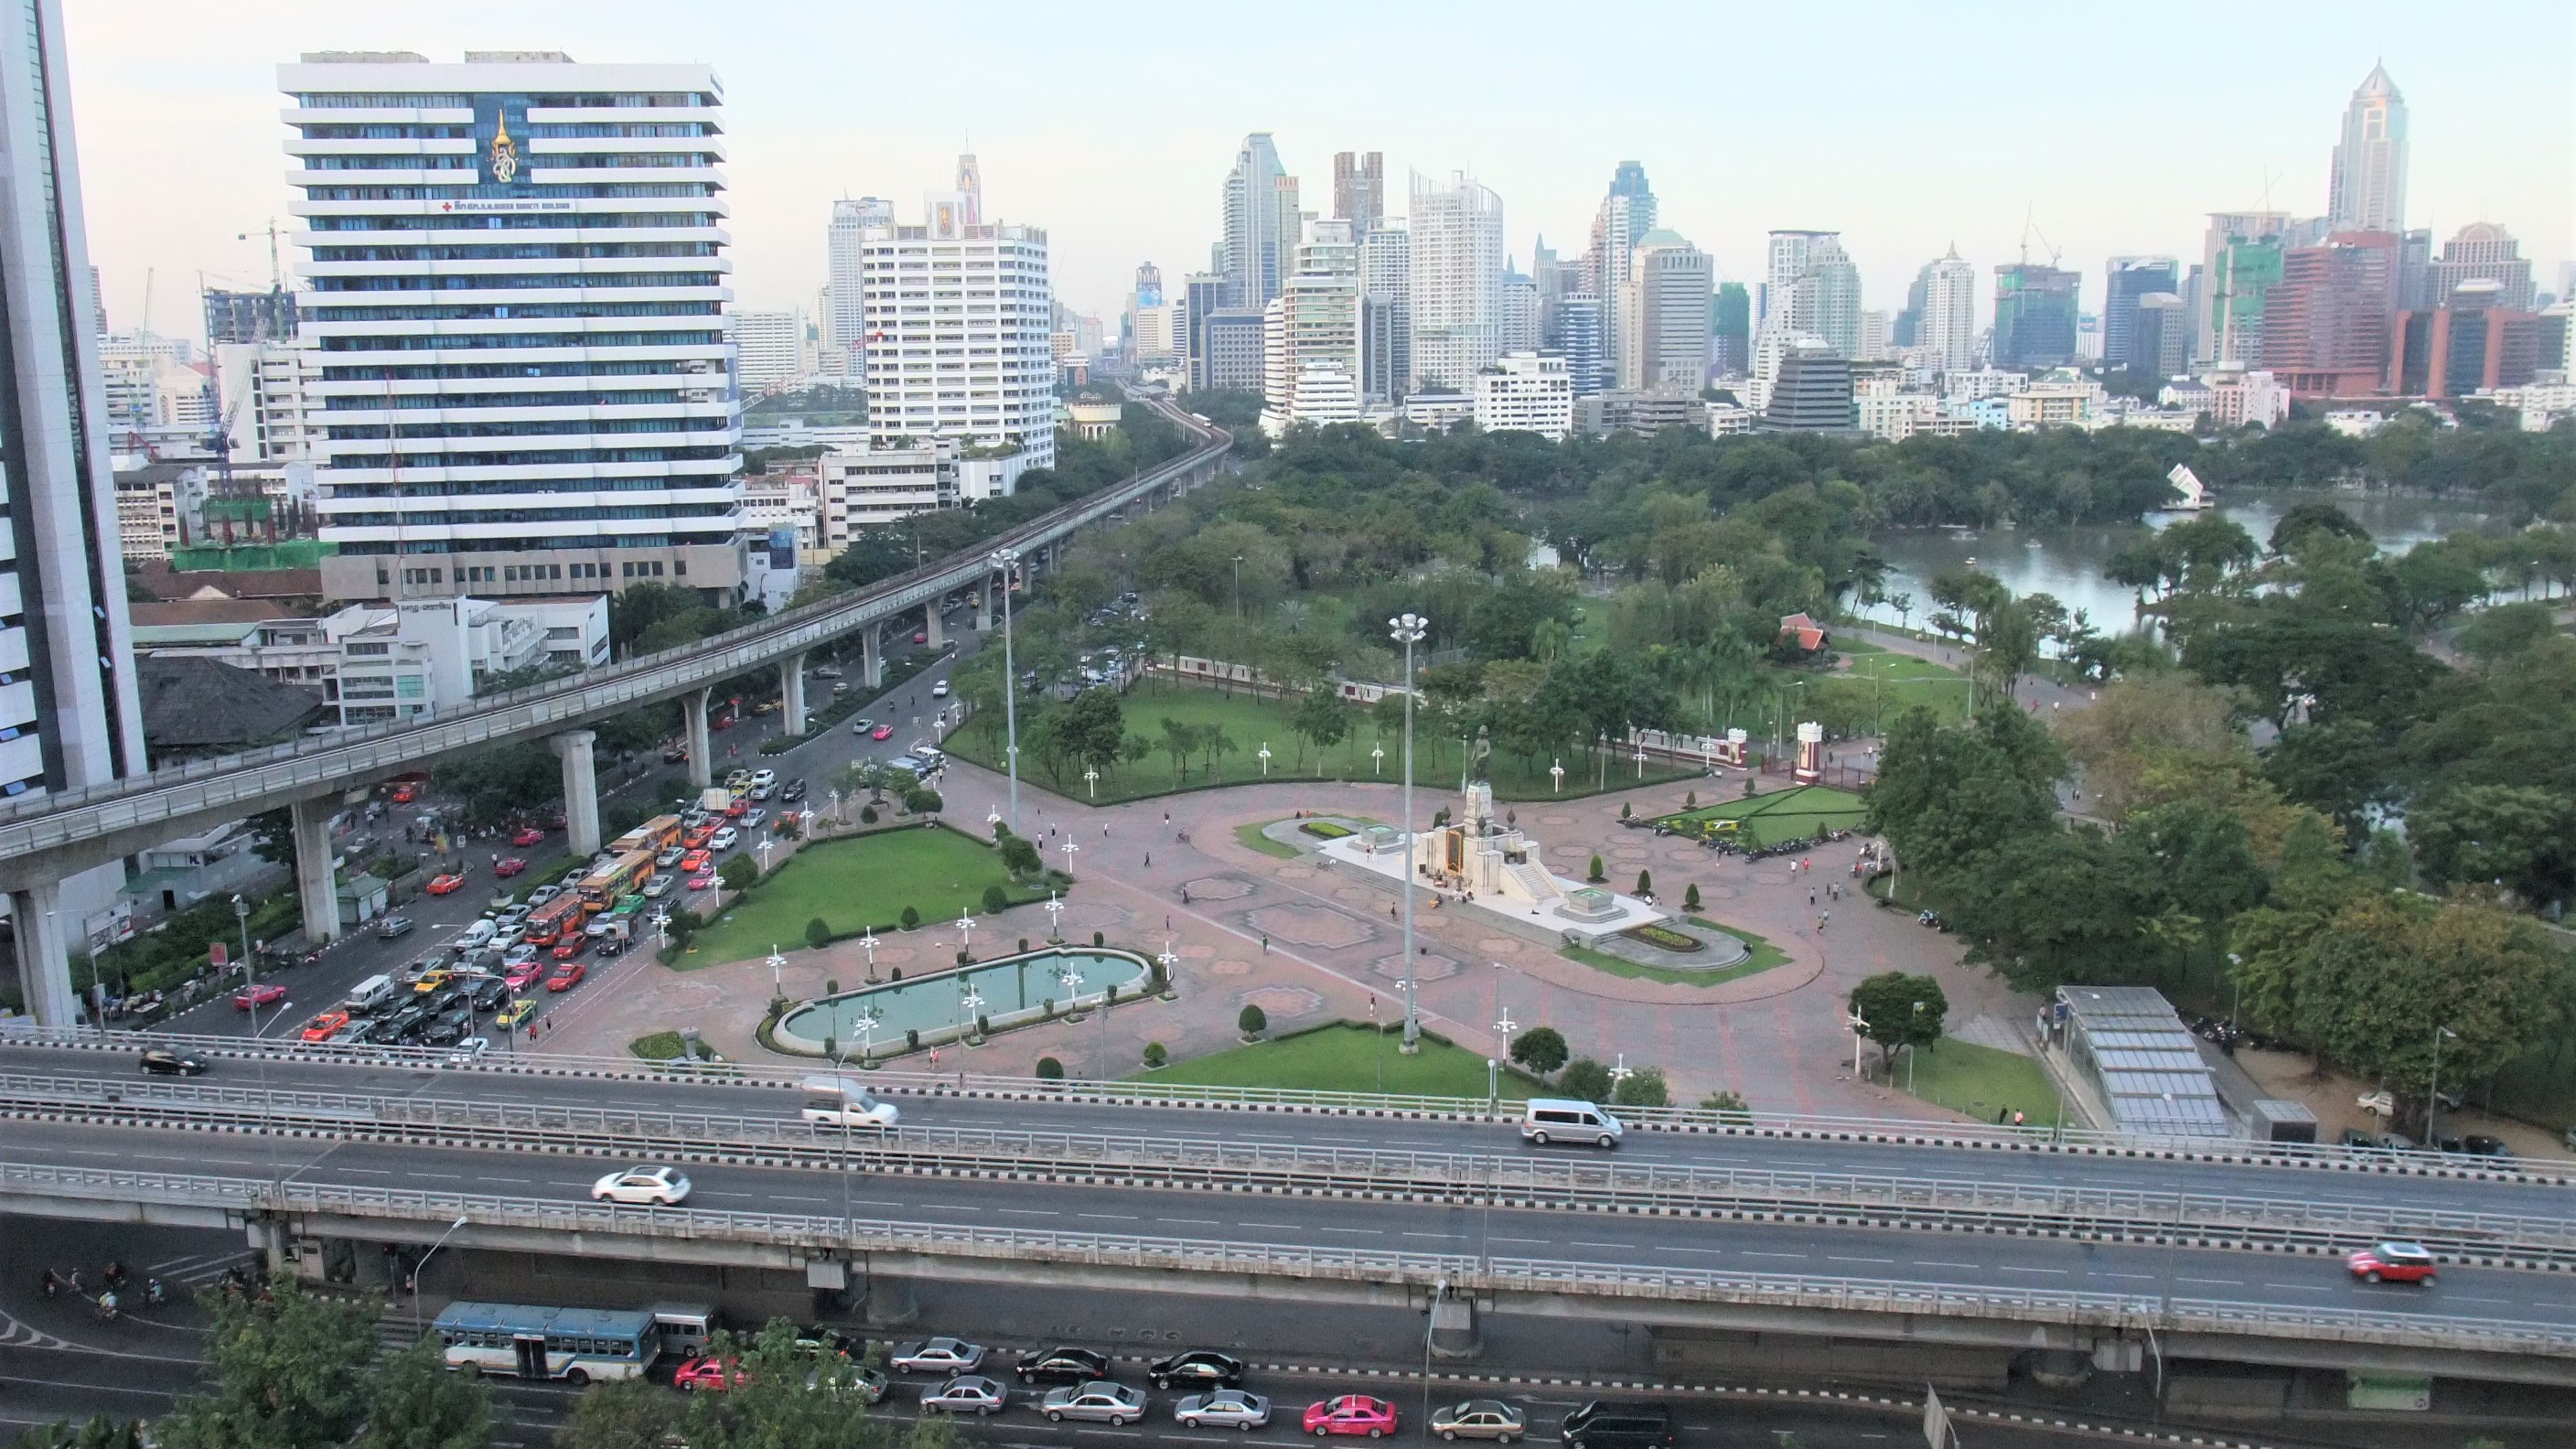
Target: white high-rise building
column 769, row 349
column 1949, row 321
column 1386, row 315
column 1316, row 318
column 1824, row 298
column 270, row 412
column 1519, row 299
column 70, row 716
column 1260, row 225
column 1663, row 315
column 958, row 316
column 1526, row 392
column 529, row 291
column 1457, row 281
column 844, row 312
column 1785, row 261
column 2367, row 191
column 1627, row 212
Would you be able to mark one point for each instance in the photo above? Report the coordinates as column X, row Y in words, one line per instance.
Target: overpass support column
column 44, row 954
column 937, row 626
column 1453, row 1329
column 791, row 695
column 317, row 885
column 693, row 722
column 581, row 790
column 984, row 607
column 872, row 656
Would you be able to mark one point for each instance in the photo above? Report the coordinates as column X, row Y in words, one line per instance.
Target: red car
column 704, row 880
column 572, row 945
column 567, row 976
column 519, row 977
column 698, row 859
column 2393, row 1263
column 920, row 637
column 882, row 732
column 264, row 993
column 405, row 794
column 1351, row 1414
column 708, row 1374
column 446, row 885
column 528, row 835
column 698, row 836
column 736, row 808
column 721, row 722
column 508, row 865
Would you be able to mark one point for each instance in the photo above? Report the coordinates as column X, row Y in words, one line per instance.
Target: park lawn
column 856, row 885
column 1902, row 682
column 1252, row 838
column 1343, row 1057
column 1793, row 814
column 1977, row 1080
column 660, row 1046
column 1764, row 957
column 1252, row 721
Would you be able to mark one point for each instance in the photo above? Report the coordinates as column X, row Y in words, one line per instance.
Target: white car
column 2378, row 1104
column 1224, row 1408
column 754, row 818
column 763, row 777
column 645, row 1186
column 938, row 1356
column 1100, row 1402
column 939, row 690
column 660, row 886
column 724, row 839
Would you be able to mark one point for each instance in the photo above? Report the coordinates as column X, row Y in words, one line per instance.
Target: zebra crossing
column 195, row 1270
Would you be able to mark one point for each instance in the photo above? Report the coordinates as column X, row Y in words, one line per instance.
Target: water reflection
column 2068, row 562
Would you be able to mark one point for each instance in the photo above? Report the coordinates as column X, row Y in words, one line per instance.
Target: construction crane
column 276, row 273
column 2029, row 228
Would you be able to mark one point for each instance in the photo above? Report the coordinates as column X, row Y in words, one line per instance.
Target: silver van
column 840, row 1102
column 1562, row 1119
column 369, row 995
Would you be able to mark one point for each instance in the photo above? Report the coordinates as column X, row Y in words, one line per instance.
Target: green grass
column 858, row 884
column 1764, row 957
column 1977, row 1080
column 660, row 1046
column 1792, row 814
column 1343, row 1057
column 1251, row 722
column 1899, row 682
column 1252, row 838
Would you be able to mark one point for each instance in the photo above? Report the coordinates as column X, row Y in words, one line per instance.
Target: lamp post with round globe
column 1409, row 630
column 1006, row 561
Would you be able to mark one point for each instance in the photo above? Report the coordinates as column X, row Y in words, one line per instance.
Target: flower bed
column 1662, row 938
column 1326, row 830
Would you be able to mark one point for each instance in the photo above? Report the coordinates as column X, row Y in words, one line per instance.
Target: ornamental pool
column 1010, row 991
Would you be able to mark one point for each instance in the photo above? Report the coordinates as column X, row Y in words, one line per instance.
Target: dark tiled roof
column 199, row 704
column 166, row 583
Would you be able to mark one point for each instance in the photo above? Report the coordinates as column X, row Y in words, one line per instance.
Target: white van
column 1561, row 1119
column 841, row 1102
column 474, row 934
column 370, row 995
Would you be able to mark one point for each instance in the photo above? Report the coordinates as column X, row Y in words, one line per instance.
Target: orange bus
column 547, row 923
column 652, row 837
column 622, row 876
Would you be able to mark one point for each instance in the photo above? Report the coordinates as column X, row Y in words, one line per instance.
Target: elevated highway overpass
column 44, row 838
column 1681, row 1231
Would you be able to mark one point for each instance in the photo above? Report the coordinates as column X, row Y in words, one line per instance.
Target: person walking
column 1265, row 945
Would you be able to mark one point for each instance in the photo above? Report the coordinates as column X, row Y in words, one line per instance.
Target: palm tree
column 1903, row 604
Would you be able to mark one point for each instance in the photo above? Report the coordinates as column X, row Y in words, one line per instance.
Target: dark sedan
column 162, row 1062
column 1199, row 1368
column 490, row 993
column 1062, row 1366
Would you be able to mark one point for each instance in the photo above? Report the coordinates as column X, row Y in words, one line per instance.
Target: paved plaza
column 1308, row 942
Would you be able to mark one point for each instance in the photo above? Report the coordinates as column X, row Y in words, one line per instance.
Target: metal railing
column 58, row 818
column 896, row 1082
column 1461, row 1272
column 1158, row 1159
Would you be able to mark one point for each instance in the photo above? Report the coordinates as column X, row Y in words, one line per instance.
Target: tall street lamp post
column 1408, row 630
column 1006, row 560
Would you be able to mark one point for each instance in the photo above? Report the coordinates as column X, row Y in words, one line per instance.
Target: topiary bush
column 1690, row 896
column 1155, row 1056
column 996, row 899
column 1596, row 875
column 910, row 918
column 1252, row 1020
column 1645, row 883
column 818, row 933
column 867, row 815
column 1050, row 1070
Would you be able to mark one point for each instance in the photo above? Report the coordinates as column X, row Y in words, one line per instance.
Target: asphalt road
column 58, row 1361
column 437, row 919
column 2252, row 1180
column 1980, row 1262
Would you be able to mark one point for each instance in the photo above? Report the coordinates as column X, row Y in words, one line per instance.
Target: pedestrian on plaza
column 2018, row 1119
column 1104, row 832
column 1149, row 860
column 1811, row 895
column 1265, row 945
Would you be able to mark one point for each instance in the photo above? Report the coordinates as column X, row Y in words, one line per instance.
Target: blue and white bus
column 576, row 1345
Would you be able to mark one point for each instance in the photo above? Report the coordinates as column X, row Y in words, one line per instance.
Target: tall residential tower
column 2367, row 191
column 1457, row 281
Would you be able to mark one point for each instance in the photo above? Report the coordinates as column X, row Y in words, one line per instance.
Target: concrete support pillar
column 891, row 1302
column 693, row 720
column 984, row 607
column 872, row 656
column 1453, row 1329
column 44, row 954
column 937, row 627
column 581, row 790
column 317, row 883
column 791, row 695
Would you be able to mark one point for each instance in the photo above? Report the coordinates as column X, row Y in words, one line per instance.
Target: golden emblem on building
column 505, row 152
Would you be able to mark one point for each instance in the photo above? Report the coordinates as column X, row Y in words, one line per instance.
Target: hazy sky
column 1904, row 125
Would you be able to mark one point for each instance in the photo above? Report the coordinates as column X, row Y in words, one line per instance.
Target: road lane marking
column 2060, row 1272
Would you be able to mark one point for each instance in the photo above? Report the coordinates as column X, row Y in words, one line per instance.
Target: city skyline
column 2490, row 137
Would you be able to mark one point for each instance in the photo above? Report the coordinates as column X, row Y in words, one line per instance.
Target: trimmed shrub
column 1541, row 1049
column 1586, row 1079
column 1596, row 875
column 911, row 919
column 818, row 933
column 1690, row 896
column 1690, row 800
column 1626, row 813
column 1155, row 1056
column 996, row 899
column 1252, row 1020
column 911, row 1035
column 1050, row 1070
column 867, row 815
column 1098, row 939
column 738, row 873
column 1325, row 830
column 1645, row 882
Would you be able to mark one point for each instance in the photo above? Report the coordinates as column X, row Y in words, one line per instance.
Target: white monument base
column 1523, row 891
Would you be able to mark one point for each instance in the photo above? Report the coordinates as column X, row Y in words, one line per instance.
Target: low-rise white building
column 1892, row 415
column 2541, row 404
column 1725, row 421
column 1982, row 382
column 1526, row 392
column 2238, row 397
column 381, row 662
column 1438, row 410
column 865, row 487
column 2054, row 403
